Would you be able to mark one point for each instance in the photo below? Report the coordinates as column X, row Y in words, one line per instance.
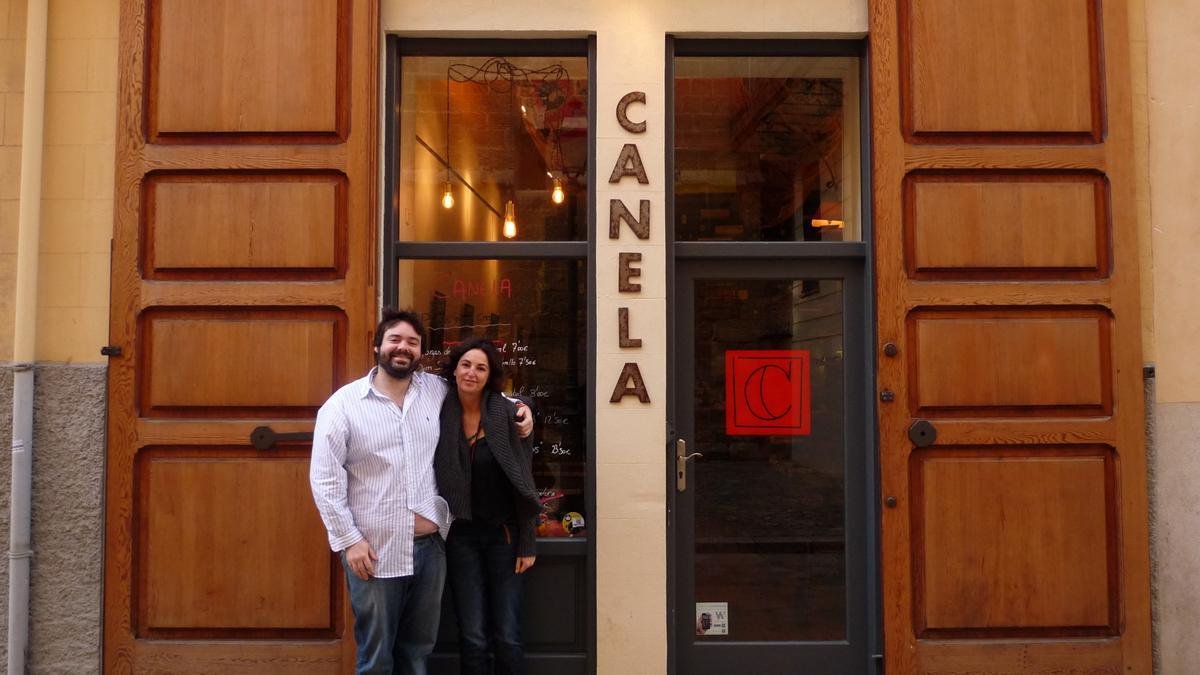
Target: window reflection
column 535, row 312
column 766, row 149
column 493, row 148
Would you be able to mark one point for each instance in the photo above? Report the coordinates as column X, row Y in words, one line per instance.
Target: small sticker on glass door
column 712, row 618
column 767, row 393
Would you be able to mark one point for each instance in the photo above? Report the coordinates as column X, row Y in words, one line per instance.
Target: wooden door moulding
column 242, row 156
column 197, row 255
column 1083, row 256
column 1106, row 619
column 970, row 292
column 198, row 432
column 1074, row 341
column 266, row 294
column 318, row 616
column 1028, row 94
column 276, row 337
column 965, row 431
column 1076, row 655
column 333, row 130
column 1032, row 158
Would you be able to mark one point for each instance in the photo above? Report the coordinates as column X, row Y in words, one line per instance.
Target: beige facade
column 1173, row 174
column 631, row 499
column 77, row 177
column 631, row 586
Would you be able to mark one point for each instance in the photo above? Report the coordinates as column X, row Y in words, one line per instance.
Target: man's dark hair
column 392, row 316
column 495, row 368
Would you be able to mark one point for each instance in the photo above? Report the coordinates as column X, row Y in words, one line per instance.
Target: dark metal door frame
column 394, row 250
column 680, row 256
column 854, row 654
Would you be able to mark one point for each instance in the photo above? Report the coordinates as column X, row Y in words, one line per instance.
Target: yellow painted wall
column 77, row 179
column 1141, row 159
column 77, row 176
column 1174, row 101
column 12, row 75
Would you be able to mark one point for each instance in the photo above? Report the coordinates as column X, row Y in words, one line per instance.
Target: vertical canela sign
column 629, row 164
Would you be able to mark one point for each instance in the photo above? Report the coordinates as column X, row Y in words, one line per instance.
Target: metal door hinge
column 110, row 350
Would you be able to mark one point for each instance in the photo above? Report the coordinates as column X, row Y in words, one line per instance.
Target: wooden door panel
column 247, row 66
column 993, row 225
column 1002, row 66
column 1012, row 361
column 227, row 541
column 1007, row 275
column 271, row 362
column 1014, row 542
column 279, row 224
column 241, row 297
column 1090, row 656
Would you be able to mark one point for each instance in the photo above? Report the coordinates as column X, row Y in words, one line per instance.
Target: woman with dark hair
column 484, row 472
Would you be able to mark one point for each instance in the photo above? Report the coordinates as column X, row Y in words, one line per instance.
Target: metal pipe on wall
column 29, row 220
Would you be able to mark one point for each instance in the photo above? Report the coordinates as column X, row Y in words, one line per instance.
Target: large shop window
column 489, row 235
column 535, row 312
column 767, row 148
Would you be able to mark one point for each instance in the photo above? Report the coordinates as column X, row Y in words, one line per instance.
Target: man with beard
column 372, row 480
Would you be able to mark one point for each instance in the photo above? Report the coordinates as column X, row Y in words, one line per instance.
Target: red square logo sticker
column 766, row 393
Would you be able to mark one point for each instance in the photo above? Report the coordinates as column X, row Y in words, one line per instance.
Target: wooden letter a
column 630, row 383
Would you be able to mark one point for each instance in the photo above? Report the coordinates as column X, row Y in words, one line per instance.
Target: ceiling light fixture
column 510, row 220
column 500, row 75
column 447, row 195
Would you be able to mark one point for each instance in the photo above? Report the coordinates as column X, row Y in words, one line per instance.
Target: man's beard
column 398, row 372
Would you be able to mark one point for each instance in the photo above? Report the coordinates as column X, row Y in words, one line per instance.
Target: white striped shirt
column 372, row 468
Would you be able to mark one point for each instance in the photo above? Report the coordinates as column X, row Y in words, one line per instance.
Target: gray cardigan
column 452, row 462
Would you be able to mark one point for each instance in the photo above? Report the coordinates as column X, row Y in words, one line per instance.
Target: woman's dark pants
column 481, row 566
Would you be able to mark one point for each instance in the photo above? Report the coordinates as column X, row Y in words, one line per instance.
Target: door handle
column 263, row 438
column 681, row 460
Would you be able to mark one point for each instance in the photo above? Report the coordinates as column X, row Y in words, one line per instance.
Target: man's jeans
column 396, row 619
column 487, row 597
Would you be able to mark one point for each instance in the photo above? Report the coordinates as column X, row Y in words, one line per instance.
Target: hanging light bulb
column 557, row 196
column 510, row 220
column 447, row 197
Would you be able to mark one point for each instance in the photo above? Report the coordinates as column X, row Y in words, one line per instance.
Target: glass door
column 770, row 517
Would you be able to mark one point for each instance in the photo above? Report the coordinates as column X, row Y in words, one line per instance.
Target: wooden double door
column 1011, row 504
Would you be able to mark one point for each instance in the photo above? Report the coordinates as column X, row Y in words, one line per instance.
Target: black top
column 452, row 463
column 492, row 500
